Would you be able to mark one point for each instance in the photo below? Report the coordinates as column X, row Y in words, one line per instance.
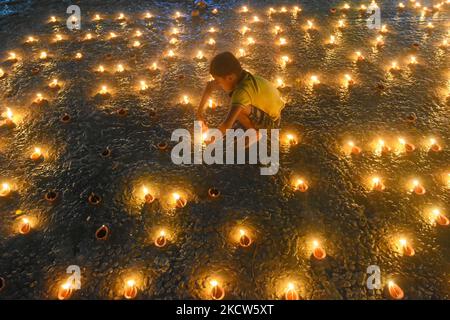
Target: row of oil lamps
column 295, row 10
column 217, row 291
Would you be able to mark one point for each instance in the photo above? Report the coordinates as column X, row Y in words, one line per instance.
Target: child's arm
column 210, row 87
column 231, row 118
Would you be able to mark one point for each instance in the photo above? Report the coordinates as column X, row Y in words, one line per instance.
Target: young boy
column 255, row 102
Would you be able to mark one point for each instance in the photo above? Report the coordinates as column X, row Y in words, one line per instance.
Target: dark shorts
column 262, row 120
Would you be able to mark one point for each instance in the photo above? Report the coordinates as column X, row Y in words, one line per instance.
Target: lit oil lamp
column 355, row 150
column 217, row 292
column 250, row 41
column 149, row 198
column 296, row 10
column 348, row 81
column 212, row 30
column 24, row 226
column 301, row 185
column 215, row 11
column 131, row 290
column 36, row 154
column 346, row 7
column 88, row 36
column 439, row 218
column 244, row 238
column 211, row 104
column 244, row 30
column 359, row 56
column 97, row 17
column 54, row 84
column 379, row 41
column 363, row 8
column 173, row 40
column 382, row 148
column 377, row 184
column 120, row 68
column 52, row 19
column 138, row 33
column 241, row 53
column 430, row 26
column 332, row 40
column 136, row 44
column 58, row 38
column 318, row 251
column 104, row 90
column 394, row 66
column 78, row 55
column 244, row 9
column 283, row 10
column 199, row 55
column 277, row 30
column 413, row 60
column 256, row 19
column 5, row 190
column 9, row 118
column 65, row 291
column 185, row 99
column 154, row 67
column 401, row 6
column 341, row 24
column 291, row 139
column 406, row 248
column 309, row 25
column 179, row 201
column 211, row 42
column 121, row 16
column 30, row 39
column 282, row 41
column 417, row 187
column 112, row 35
column 384, row 29
column 143, row 86
column 43, row 55
column 271, row 11
column 39, row 98
column 395, row 291
column 101, row 69
column 280, row 83
column 161, row 239
column 170, row 54
column 2, row 73
column 406, row 146
column 434, row 146
column 290, row 292
column 285, row 60
column 178, row 15
column 314, row 80
column 12, row 56
column 444, row 44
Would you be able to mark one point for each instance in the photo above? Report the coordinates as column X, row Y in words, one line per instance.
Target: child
column 255, row 102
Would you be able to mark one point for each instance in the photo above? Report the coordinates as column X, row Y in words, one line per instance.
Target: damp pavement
column 356, row 226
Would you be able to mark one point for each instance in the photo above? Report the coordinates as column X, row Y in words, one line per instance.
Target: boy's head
column 226, row 70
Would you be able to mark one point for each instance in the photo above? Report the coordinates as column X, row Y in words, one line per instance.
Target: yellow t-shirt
column 260, row 93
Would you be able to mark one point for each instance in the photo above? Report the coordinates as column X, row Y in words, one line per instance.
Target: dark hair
column 224, row 64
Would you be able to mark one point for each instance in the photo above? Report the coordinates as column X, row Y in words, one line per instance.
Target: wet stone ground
column 358, row 227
